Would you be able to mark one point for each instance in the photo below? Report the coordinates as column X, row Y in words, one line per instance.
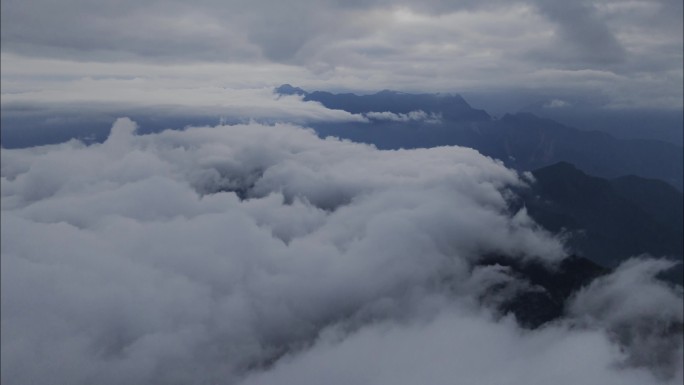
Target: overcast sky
column 622, row 53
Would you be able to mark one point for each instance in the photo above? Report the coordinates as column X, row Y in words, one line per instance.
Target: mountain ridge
column 452, row 107
column 523, row 141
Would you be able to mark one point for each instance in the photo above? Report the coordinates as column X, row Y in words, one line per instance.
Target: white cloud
column 416, row 116
column 135, row 261
column 164, row 94
column 456, row 346
column 639, row 311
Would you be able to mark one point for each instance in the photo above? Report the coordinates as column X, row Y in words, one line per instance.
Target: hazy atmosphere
column 342, row 192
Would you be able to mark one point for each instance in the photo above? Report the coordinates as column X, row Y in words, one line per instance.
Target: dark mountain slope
column 609, row 220
column 655, row 197
column 549, row 289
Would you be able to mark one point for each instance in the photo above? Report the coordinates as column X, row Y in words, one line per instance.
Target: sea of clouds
column 262, row 254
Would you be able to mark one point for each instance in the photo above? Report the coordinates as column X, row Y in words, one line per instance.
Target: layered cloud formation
column 263, row 254
column 177, row 100
column 615, row 52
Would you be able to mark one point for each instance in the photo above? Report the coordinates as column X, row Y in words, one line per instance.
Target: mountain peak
column 288, row 89
column 561, row 166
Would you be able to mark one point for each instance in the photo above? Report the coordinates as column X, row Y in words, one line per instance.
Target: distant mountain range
column 522, row 141
column 623, row 123
column 451, row 107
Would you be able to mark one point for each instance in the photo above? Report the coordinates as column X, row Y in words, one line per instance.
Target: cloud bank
column 263, row 254
column 177, row 99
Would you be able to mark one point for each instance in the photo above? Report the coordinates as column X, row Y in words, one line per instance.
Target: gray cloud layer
column 135, row 261
column 629, row 52
column 248, row 30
